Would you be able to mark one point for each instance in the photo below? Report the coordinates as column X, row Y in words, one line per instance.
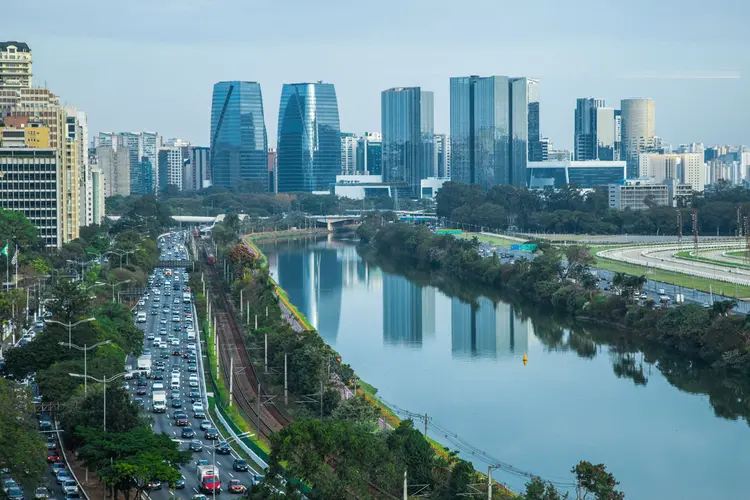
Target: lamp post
column 85, row 350
column 122, row 254
column 113, row 285
column 70, row 326
column 230, row 440
column 105, row 381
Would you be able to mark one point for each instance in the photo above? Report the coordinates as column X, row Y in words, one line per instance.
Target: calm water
column 577, row 398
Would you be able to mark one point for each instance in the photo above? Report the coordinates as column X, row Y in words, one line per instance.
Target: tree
column 357, row 409
column 16, row 228
column 536, row 489
column 87, row 410
column 70, row 301
column 595, row 480
column 21, row 446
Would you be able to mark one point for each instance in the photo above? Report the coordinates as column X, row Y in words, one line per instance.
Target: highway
column 167, row 314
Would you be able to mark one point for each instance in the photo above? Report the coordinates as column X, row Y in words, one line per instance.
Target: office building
column 582, row 174
column 361, row 186
column 638, row 130
column 430, row 186
column 272, row 178
column 97, row 196
column 15, row 66
column 309, row 138
column 195, row 170
column 24, row 132
column 494, row 129
column 149, row 144
column 170, row 167
column 596, row 131
column 142, row 178
column 106, row 139
column 115, row 167
column 407, row 118
column 719, row 171
column 370, row 153
column 442, row 166
column 238, row 135
column 686, row 168
column 29, row 184
column 348, row 153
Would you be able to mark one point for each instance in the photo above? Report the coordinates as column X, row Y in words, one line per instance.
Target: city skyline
column 703, row 76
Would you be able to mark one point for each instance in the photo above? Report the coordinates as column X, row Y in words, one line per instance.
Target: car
column 153, row 484
column 62, row 476
column 199, row 414
column 126, row 386
column 142, row 382
column 192, row 367
column 179, row 484
column 240, row 465
column 72, row 495
column 158, row 375
column 197, row 407
column 51, row 444
column 154, row 313
column 181, row 420
column 191, row 346
column 212, row 434
column 56, row 467
column 41, row 493
column 52, row 457
column 176, row 352
column 195, row 445
column 223, row 448
column 188, row 432
column 193, row 382
column 70, row 486
column 150, row 336
column 235, row 486
column 163, row 321
column 8, row 484
column 138, row 401
column 14, row 493
column 177, row 403
column 205, row 425
column 199, row 497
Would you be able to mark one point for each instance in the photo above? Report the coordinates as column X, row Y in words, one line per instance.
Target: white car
column 198, row 407
column 191, row 346
column 175, row 371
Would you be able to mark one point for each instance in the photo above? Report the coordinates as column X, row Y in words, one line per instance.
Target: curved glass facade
column 407, row 121
column 309, row 138
column 239, row 143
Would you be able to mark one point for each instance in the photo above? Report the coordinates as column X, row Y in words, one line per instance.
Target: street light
column 121, row 254
column 234, row 438
column 70, row 326
column 105, row 381
column 113, row 285
column 85, row 350
column 98, row 283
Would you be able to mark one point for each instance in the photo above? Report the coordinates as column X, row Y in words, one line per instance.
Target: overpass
column 334, row 221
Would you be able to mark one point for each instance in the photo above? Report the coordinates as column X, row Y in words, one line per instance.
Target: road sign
column 515, row 247
column 529, row 247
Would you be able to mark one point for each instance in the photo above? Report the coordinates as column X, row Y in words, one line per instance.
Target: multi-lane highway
column 172, row 342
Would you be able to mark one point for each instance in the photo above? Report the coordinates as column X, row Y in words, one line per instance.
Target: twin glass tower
column 309, row 145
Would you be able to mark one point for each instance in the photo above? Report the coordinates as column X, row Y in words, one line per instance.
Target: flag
column 14, row 260
column 4, row 251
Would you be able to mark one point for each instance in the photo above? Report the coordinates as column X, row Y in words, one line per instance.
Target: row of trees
column 568, row 210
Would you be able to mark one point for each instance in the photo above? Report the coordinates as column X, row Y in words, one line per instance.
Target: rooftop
column 20, row 46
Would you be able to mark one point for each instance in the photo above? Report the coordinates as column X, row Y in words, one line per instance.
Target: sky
column 151, row 64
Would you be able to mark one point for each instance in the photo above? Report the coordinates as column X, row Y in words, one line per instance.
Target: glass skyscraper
column 494, row 129
column 596, row 131
column 309, row 138
column 408, row 124
column 370, row 153
column 239, row 142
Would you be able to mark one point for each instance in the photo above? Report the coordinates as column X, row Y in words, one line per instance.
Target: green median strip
column 493, row 240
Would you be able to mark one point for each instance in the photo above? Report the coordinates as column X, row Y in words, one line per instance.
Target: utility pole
column 489, row 483
column 321, row 400
column 241, row 303
column 256, row 321
column 426, row 419
column 695, row 230
column 265, row 354
column 216, row 349
column 231, row 380
column 258, row 408
column 286, row 393
column 247, row 321
column 406, row 487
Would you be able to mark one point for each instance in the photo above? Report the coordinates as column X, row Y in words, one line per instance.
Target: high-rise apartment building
column 115, row 167
column 238, row 135
column 370, row 153
column 442, row 156
column 596, row 131
column 685, row 168
column 29, row 184
column 106, row 139
column 170, row 167
column 638, row 130
column 15, row 66
column 148, row 146
column 195, row 170
column 494, row 129
column 309, row 138
column 272, row 178
column 97, row 196
column 408, row 126
column 142, row 178
column 348, row 154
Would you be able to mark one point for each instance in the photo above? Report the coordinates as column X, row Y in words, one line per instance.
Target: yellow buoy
column 525, row 360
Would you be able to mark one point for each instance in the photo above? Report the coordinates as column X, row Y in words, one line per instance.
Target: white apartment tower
column 15, row 66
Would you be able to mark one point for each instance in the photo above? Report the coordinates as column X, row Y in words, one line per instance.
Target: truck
column 159, row 403
column 144, row 365
column 208, row 477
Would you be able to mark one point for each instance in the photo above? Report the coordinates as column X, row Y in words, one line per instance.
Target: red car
column 235, row 486
column 52, row 458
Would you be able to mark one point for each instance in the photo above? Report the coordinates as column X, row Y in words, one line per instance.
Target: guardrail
column 245, row 448
column 67, row 463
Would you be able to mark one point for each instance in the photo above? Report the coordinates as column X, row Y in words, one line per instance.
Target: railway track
column 245, row 383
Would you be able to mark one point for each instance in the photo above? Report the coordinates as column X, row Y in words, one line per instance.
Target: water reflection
column 487, row 329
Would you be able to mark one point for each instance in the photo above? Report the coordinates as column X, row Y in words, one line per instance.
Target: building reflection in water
column 487, row 330
column 402, row 311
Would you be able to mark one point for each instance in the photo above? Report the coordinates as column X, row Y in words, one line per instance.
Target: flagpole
column 15, row 257
column 7, row 268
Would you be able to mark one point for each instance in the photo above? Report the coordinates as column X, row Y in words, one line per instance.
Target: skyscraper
column 524, row 127
column 170, row 167
column 638, row 130
column 494, row 129
column 370, row 153
column 238, row 135
column 442, row 155
column 15, row 66
column 348, row 154
column 597, row 131
column 407, row 119
column 200, row 170
column 142, row 178
column 309, row 138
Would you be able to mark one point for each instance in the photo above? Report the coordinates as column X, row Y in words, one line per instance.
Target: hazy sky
column 150, row 64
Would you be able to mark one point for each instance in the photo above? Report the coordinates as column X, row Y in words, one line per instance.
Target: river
column 653, row 420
